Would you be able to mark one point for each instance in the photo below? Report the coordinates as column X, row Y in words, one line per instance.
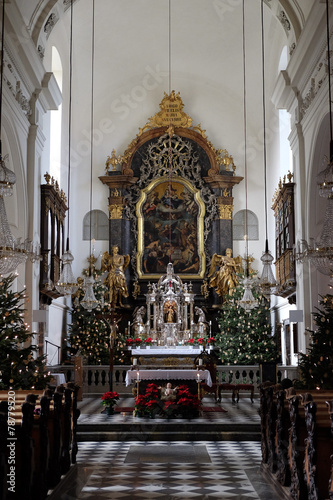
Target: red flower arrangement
column 149, row 404
column 148, row 341
column 133, row 342
column 110, row 398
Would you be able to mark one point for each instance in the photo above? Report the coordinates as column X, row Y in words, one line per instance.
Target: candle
column 137, row 376
column 200, row 362
column 129, row 328
column 135, row 361
column 198, row 375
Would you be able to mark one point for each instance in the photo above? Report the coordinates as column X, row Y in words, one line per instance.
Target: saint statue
column 115, row 264
column 224, row 280
column 170, row 312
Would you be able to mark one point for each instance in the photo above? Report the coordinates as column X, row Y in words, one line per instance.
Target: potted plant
column 109, row 400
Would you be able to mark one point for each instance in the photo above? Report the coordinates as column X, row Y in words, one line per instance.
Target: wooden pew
column 318, row 443
column 298, row 450
column 46, row 440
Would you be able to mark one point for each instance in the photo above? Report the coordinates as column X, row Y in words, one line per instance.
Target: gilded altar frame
column 200, row 246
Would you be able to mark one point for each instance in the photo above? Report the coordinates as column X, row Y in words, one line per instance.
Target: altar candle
column 137, row 376
column 135, row 361
column 200, row 362
column 129, row 328
column 198, row 375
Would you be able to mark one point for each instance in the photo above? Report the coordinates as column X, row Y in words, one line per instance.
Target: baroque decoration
column 171, row 184
column 187, row 198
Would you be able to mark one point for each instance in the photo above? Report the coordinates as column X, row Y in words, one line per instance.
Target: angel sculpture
column 224, row 280
column 115, row 281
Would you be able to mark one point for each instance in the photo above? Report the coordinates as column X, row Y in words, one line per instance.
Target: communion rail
column 96, row 377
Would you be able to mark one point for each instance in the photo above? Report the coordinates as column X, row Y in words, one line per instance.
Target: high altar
column 170, row 211
column 170, row 311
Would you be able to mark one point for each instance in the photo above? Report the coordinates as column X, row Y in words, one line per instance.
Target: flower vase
column 109, row 410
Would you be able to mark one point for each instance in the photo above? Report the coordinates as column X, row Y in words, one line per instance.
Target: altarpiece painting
column 170, row 228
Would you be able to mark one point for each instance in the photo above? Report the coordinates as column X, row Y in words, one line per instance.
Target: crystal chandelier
column 320, row 252
column 247, row 302
column 67, row 285
column 12, row 251
column 266, row 282
column 89, row 301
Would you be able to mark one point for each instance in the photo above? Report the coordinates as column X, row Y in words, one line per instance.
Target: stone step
column 156, row 429
column 200, row 435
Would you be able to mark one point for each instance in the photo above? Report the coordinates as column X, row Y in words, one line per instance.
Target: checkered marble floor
column 198, row 470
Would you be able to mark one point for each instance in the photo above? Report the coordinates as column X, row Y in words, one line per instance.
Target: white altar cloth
column 204, row 375
column 170, row 351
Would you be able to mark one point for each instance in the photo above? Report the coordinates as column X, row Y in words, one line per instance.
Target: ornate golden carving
column 115, row 211
column 225, row 211
column 289, row 177
column 170, row 361
column 171, row 113
column 171, row 116
column 204, row 289
column 136, row 290
column 114, row 193
column 47, row 177
column 112, row 161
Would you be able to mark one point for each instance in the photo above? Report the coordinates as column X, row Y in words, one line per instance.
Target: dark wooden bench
column 235, row 388
column 44, row 425
column 297, row 441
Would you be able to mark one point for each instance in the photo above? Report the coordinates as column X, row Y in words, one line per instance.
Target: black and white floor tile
column 198, row 470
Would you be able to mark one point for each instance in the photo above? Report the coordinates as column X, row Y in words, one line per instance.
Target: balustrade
column 96, row 377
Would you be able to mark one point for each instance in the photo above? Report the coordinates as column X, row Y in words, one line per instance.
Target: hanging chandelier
column 67, row 284
column 13, row 252
column 89, row 301
column 320, row 252
column 266, row 283
column 247, row 302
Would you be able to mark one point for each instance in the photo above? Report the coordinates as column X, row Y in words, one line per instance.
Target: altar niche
column 170, row 310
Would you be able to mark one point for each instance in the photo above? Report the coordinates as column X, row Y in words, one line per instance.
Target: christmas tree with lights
column 20, row 367
column 89, row 332
column 316, row 366
column 245, row 338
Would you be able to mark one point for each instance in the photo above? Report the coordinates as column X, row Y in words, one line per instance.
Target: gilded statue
column 224, row 279
column 115, row 281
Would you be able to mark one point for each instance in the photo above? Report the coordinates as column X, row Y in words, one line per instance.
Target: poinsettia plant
column 110, row 399
column 150, row 405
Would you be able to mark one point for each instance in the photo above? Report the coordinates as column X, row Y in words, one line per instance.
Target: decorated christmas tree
column 20, row 367
column 245, row 337
column 89, row 332
column 316, row 366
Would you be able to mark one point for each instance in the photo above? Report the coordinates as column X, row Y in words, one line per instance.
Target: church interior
column 166, row 206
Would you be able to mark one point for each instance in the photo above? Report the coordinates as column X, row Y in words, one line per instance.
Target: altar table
column 134, row 375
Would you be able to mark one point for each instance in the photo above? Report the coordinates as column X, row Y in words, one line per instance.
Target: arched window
column 99, row 226
column 239, row 225
column 55, row 121
column 283, row 63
